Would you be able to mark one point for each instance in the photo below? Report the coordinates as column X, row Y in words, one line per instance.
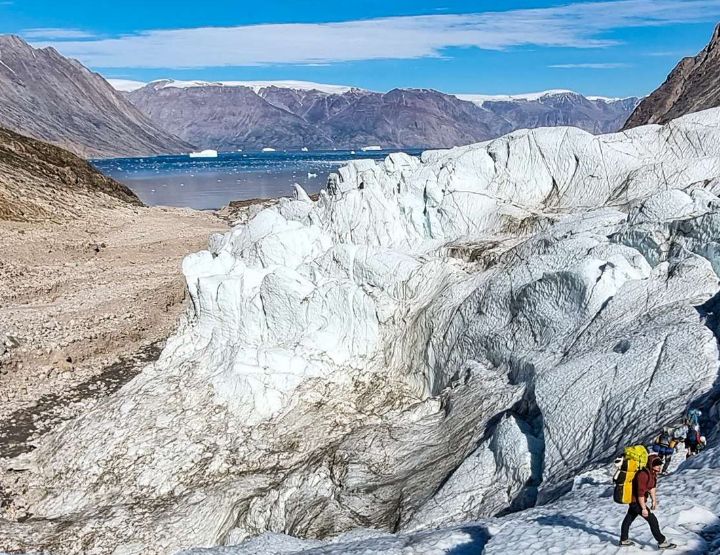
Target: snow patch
column 480, row 99
column 126, row 85
column 256, row 86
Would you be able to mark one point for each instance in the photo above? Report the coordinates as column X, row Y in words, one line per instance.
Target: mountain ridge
column 129, row 85
column 58, row 100
column 282, row 114
column 693, row 85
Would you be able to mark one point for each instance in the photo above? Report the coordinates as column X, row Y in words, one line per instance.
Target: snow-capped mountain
column 296, row 114
column 58, row 100
column 436, row 340
column 129, row 86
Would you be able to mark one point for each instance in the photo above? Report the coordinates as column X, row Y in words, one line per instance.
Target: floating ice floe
column 208, row 153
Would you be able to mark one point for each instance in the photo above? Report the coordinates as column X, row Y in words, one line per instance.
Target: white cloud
column 580, row 25
column 608, row 65
column 51, row 33
column 670, row 54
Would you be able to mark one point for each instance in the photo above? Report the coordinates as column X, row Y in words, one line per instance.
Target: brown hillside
column 42, row 181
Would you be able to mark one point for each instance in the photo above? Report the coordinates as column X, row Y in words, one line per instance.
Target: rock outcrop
column 434, row 340
column 214, row 115
column 693, row 85
column 42, row 181
column 58, row 100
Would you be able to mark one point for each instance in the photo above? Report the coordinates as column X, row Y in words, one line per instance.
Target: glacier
column 435, row 340
column 585, row 521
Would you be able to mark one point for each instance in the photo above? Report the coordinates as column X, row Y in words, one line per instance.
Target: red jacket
column 644, row 481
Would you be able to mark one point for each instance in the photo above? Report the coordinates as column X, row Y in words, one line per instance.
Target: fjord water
column 210, row 183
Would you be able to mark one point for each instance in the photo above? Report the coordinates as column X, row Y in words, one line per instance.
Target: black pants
column 666, row 462
column 634, row 510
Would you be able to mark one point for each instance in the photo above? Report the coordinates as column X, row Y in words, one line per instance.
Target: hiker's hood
column 651, row 458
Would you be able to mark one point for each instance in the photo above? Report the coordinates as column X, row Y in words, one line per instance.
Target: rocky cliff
column 693, row 85
column 55, row 99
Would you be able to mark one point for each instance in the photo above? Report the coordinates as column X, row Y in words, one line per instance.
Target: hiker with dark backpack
column 635, row 490
column 667, row 443
column 664, row 445
column 692, row 440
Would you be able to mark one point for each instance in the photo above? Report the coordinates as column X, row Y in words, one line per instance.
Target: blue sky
column 613, row 47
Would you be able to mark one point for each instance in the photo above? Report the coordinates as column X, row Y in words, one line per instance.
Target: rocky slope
column 224, row 118
column 41, row 181
column 434, row 340
column 693, row 85
column 293, row 116
column 55, row 99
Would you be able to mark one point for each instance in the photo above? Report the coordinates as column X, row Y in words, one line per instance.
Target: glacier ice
column 434, row 340
column 586, row 521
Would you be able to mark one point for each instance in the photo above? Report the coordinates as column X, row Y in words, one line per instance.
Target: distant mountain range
column 55, row 99
column 693, row 85
column 295, row 114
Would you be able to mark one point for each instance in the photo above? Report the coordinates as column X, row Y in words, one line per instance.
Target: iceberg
column 209, row 153
column 268, row 149
column 435, row 340
column 371, row 148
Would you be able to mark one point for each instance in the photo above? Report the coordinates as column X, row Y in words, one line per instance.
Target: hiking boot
column 667, row 545
column 626, row 543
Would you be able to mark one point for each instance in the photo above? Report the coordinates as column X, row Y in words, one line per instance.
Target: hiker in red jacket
column 644, row 486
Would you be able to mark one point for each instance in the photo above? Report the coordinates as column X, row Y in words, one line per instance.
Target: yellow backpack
column 634, row 460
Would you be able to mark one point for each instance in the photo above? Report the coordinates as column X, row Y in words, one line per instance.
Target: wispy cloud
column 579, row 25
column 51, row 33
column 608, row 65
column 670, row 54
